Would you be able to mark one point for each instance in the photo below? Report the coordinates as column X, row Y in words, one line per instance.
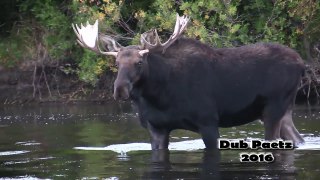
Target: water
column 107, row 142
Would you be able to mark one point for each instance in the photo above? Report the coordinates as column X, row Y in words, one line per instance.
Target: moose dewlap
column 185, row 84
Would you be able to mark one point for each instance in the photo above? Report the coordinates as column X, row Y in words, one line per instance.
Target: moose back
column 185, row 84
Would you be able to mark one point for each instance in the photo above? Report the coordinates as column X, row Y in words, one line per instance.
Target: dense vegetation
column 37, row 33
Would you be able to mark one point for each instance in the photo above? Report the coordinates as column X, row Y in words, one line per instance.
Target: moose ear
column 142, row 52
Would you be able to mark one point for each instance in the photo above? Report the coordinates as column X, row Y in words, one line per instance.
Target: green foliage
column 19, row 45
column 92, row 66
column 220, row 23
column 10, row 53
column 54, row 22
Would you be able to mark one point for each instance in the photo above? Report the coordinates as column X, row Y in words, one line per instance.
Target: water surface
column 106, row 142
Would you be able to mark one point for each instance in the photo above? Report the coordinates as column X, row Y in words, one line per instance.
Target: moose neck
column 153, row 84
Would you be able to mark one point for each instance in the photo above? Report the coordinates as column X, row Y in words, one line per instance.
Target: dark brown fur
column 195, row 87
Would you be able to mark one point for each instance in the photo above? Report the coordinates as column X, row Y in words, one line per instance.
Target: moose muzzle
column 122, row 90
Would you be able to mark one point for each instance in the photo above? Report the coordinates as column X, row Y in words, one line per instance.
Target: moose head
column 131, row 60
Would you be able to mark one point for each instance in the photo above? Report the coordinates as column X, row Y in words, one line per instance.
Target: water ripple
column 8, row 153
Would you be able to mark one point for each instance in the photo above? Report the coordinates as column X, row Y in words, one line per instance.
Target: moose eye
column 139, row 63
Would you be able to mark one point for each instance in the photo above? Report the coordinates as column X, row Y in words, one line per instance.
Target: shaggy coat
column 198, row 88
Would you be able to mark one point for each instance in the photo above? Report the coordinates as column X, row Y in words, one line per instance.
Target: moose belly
column 243, row 116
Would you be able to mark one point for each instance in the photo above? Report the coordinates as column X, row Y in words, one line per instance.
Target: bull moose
column 186, row 84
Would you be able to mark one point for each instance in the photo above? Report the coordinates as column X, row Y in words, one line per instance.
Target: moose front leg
column 159, row 137
column 210, row 135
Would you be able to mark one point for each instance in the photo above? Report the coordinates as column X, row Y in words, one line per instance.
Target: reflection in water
column 211, row 167
column 161, row 167
column 37, row 142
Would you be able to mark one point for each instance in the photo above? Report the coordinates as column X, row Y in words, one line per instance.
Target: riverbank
column 51, row 85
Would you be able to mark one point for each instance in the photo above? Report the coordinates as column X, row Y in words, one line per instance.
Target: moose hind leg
column 271, row 117
column 288, row 131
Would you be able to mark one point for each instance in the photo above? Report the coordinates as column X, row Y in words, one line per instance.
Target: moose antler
column 151, row 40
column 88, row 38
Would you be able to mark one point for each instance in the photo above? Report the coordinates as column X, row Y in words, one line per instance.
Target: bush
column 220, row 23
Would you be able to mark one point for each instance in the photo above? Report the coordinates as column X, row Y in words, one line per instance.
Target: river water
column 105, row 141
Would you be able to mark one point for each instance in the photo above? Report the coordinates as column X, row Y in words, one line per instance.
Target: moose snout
column 121, row 90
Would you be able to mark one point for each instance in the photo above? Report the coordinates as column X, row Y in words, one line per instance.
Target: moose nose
column 122, row 89
column 121, row 93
